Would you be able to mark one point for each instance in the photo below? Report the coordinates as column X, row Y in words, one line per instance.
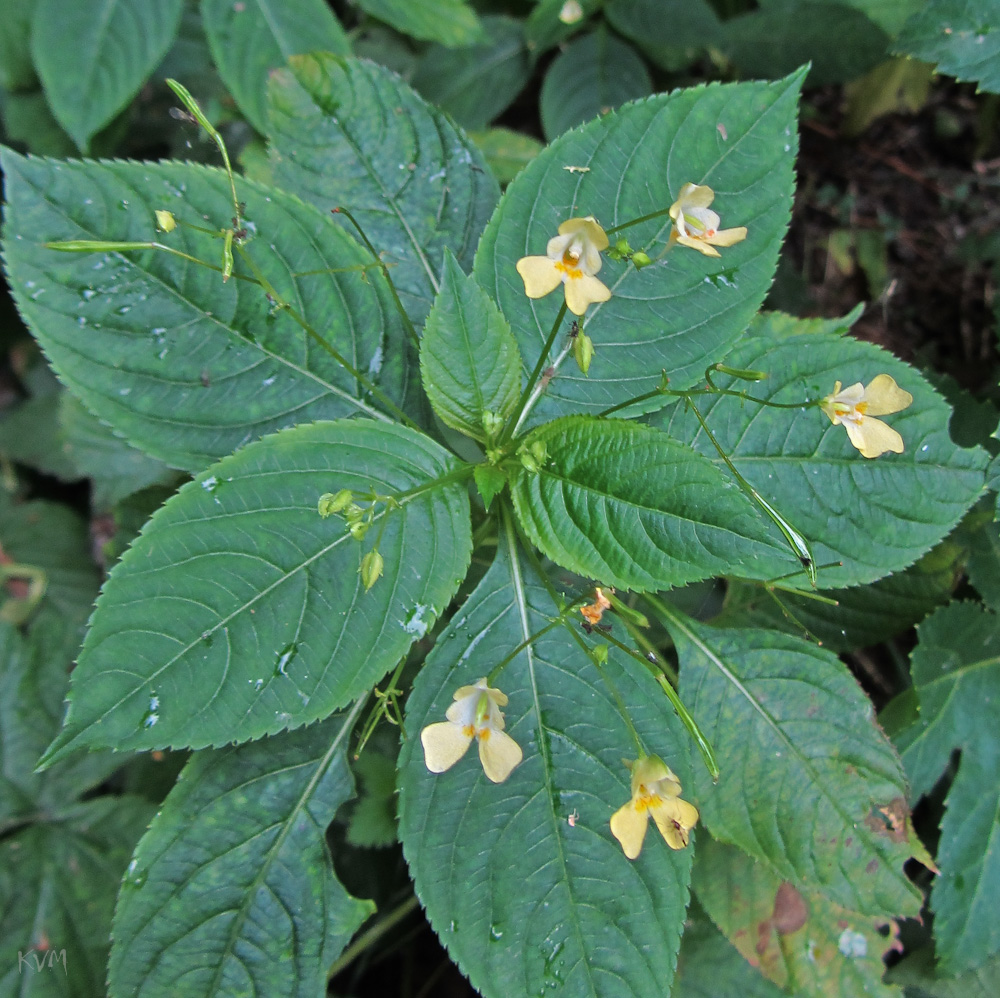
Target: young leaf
column 809, row 783
column 523, row 880
column 961, row 36
column 232, row 888
column 450, row 22
column 248, row 40
column 415, row 183
column 686, row 309
column 16, row 69
column 186, row 367
column 662, row 23
column 469, row 361
column 476, row 83
column 626, row 505
column 240, row 612
column 593, row 75
column 956, row 672
column 806, row 944
column 94, row 55
column 874, row 516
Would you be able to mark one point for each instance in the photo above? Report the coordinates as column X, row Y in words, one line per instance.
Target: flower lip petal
column 539, row 274
column 629, row 827
column 583, row 291
column 444, row 744
column 873, row 437
column 884, row 396
column 499, row 754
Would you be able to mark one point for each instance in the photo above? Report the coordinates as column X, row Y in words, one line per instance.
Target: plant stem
column 371, row 936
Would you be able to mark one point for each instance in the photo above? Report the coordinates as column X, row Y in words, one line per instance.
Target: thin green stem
column 372, row 936
column 637, row 221
column 513, row 422
column 318, row 338
column 714, row 389
column 410, row 329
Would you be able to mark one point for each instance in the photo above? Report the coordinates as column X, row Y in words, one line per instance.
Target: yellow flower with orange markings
column 855, row 407
column 655, row 794
column 572, row 259
column 474, row 716
column 697, row 226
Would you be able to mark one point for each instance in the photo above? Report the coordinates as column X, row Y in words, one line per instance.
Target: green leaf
column 545, row 26
column 31, row 435
column 373, row 820
column 506, row 152
column 595, row 74
column 685, row 310
column 675, row 23
column 250, row 39
column 808, row 780
column 115, row 468
column 28, row 121
column 469, row 361
column 984, row 564
column 523, row 881
column 963, row 897
column 961, row 36
column 476, row 83
column 889, row 15
column 626, row 505
column 489, row 481
column 94, row 55
column 185, row 367
column 57, row 895
column 916, row 973
column 450, row 22
column 240, row 612
column 873, row 516
column 232, row 889
column 16, row 69
column 788, row 33
column 709, row 967
column 803, row 942
column 415, row 183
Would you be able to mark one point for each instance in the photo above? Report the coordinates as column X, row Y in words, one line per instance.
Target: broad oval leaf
column 94, row 55
column 686, row 309
column 808, row 781
column 250, row 39
column 469, row 361
column 595, row 74
column 626, row 505
column 184, row 366
column 863, row 517
column 450, row 22
column 476, row 83
column 232, row 890
column 239, row 612
column 523, row 880
column 350, row 133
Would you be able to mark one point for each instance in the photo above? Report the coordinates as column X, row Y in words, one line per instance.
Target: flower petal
column 498, row 753
column 698, row 244
column 726, row 237
column 629, row 827
column 883, row 396
column 668, row 820
column 696, row 196
column 539, row 274
column 444, row 744
column 583, row 291
column 873, row 437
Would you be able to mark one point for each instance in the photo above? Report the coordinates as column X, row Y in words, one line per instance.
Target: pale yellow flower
column 474, row 716
column 854, row 409
column 572, row 258
column 655, row 792
column 697, row 226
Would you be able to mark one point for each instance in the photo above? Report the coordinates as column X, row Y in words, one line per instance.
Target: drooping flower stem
column 513, row 422
column 638, row 221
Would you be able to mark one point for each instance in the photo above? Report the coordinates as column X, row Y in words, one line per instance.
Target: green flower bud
column 358, row 529
column 330, row 502
column 492, row 424
column 371, row 568
column 583, row 351
column 640, row 260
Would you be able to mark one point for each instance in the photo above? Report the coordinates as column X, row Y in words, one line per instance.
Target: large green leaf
column 984, row 564
column 450, row 22
column 239, row 612
column 803, row 942
column 250, row 39
column 186, row 367
column 94, row 55
column 676, row 23
column 686, row 309
column 916, row 973
column 956, row 675
column 469, row 361
column 57, row 895
column 595, row 74
column 866, row 517
column 809, row 783
column 350, row 133
column 31, row 435
column 232, row 891
column 16, row 69
column 523, row 881
column 476, row 83
column 961, row 36
column 626, row 505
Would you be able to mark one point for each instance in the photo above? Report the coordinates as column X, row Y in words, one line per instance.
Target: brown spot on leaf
column 763, row 936
column 790, row 910
column 890, row 820
column 871, row 867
